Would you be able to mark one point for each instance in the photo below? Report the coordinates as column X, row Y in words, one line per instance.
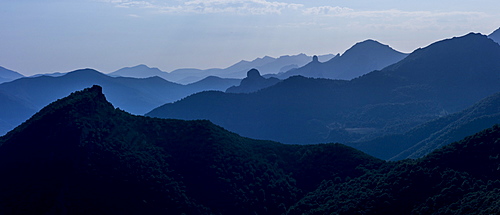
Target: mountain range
column 139, row 71
column 265, row 65
column 80, row 155
column 7, row 75
column 445, row 77
column 138, row 96
column 434, row 134
column 358, row 60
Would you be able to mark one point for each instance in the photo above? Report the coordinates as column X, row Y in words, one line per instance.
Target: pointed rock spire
column 315, row 58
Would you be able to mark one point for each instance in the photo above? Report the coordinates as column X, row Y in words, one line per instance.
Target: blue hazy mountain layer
column 136, row 96
column 267, row 65
column 445, row 77
column 358, row 60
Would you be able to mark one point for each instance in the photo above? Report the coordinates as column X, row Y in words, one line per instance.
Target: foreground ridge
column 80, row 155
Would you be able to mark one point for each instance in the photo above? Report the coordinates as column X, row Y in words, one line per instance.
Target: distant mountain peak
column 253, row 74
column 85, row 72
column 144, row 66
column 369, row 41
column 140, row 71
column 252, row 83
column 369, row 46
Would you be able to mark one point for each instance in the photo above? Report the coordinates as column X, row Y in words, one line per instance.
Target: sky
column 63, row 35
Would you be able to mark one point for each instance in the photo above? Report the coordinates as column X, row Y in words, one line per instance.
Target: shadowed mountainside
column 139, row 71
column 266, row 65
column 79, row 155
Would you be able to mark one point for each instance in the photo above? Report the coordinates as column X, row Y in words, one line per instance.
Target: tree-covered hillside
column 80, row 155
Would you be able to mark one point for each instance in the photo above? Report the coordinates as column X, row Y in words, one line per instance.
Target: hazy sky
column 63, row 35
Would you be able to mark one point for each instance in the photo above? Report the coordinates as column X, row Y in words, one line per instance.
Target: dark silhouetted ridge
column 80, row 155
column 140, row 71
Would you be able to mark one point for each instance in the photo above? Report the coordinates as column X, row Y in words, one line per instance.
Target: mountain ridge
column 391, row 100
column 145, row 72
column 82, row 155
column 266, row 65
column 361, row 58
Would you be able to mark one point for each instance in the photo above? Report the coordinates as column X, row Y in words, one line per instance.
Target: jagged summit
column 88, row 100
column 78, row 106
column 450, row 75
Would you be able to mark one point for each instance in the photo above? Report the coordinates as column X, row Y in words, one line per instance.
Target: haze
column 60, row 36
